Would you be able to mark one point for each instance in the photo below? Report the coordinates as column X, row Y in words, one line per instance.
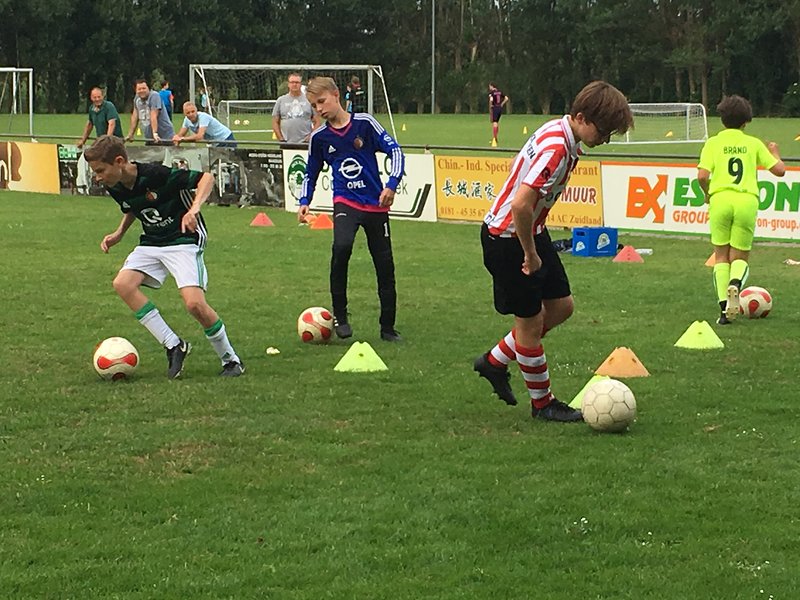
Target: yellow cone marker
column 699, row 336
column 360, row 358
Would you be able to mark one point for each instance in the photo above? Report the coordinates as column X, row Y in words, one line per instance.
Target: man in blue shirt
column 348, row 143
column 203, row 127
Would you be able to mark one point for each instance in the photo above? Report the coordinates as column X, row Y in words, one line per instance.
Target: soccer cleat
column 232, row 369
column 342, row 327
column 499, row 378
column 390, row 335
column 732, row 304
column 557, row 411
column 175, row 357
column 724, row 320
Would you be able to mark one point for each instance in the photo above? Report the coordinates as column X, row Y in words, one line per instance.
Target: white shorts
column 184, row 262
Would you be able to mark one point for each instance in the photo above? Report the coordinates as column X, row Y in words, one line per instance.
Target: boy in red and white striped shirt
column 529, row 280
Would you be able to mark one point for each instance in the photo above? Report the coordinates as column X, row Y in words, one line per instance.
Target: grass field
column 456, row 130
column 298, row 482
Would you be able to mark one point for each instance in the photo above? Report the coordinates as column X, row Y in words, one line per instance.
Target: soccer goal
column 16, row 99
column 243, row 96
column 666, row 123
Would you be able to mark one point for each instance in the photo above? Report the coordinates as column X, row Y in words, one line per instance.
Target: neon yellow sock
column 740, row 270
column 722, row 276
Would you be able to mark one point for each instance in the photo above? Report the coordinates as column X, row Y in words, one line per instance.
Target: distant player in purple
column 348, row 143
column 497, row 101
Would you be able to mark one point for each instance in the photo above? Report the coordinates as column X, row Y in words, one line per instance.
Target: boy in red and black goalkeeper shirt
column 529, row 280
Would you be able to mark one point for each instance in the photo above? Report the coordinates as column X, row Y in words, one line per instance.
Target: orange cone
column 711, row 261
column 622, row 362
column 309, row 219
column 628, row 254
column 261, row 220
column 322, row 221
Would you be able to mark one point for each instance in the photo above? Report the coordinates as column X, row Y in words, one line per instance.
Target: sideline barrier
column 643, row 196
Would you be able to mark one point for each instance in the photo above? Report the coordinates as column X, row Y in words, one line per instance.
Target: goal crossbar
column 372, row 71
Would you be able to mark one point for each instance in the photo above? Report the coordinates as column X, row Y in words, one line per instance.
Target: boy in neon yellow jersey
column 728, row 174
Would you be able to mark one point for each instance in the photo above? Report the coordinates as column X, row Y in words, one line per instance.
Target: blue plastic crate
column 594, row 241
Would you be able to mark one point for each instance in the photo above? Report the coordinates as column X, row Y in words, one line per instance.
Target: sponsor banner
column 467, row 186
column 29, row 167
column 667, row 197
column 415, row 198
column 246, row 176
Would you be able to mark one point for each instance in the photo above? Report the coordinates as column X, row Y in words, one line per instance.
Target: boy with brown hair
column 529, row 280
column 728, row 174
column 172, row 243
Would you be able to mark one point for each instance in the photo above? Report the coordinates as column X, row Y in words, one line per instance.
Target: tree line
column 540, row 52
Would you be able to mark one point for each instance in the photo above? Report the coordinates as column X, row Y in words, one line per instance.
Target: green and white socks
column 149, row 316
column 218, row 337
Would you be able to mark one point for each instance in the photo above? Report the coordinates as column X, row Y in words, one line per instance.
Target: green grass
column 454, row 130
column 298, row 482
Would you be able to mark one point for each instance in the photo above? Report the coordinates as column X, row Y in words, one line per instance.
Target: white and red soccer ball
column 315, row 325
column 115, row 358
column 755, row 302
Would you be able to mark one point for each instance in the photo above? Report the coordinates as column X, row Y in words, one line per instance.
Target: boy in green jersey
column 172, row 242
column 728, row 174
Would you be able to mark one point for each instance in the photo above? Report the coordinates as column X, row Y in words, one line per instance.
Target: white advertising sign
column 667, row 197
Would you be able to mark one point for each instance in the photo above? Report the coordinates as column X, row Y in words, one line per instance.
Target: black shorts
column 497, row 112
column 514, row 292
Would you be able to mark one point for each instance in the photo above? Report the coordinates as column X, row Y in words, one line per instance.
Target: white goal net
column 243, row 96
column 668, row 122
column 16, row 99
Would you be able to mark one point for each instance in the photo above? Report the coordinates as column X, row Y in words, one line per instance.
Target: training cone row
column 699, row 336
column 360, row 358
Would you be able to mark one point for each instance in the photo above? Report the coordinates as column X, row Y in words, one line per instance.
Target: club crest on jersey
column 151, row 196
column 358, row 143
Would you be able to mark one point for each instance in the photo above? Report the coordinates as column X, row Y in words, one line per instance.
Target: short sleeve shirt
column 100, row 117
column 733, row 157
column 214, row 129
column 295, row 114
column 143, row 107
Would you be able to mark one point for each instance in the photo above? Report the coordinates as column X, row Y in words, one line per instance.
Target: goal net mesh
column 247, row 93
column 666, row 123
column 16, row 100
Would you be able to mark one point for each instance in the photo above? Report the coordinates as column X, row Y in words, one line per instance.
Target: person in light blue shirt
column 204, row 127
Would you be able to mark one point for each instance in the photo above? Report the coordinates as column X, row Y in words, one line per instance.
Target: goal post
column 666, row 122
column 16, row 98
column 247, row 92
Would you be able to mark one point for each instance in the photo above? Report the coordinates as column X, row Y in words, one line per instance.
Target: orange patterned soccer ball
column 115, row 358
column 315, row 325
column 755, row 302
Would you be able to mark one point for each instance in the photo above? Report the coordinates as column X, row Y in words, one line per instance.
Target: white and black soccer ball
column 115, row 358
column 755, row 302
column 609, row 405
column 315, row 325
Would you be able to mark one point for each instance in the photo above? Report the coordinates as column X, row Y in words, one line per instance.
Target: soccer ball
column 115, row 358
column 246, row 122
column 755, row 302
column 236, row 122
column 609, row 405
column 315, row 324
